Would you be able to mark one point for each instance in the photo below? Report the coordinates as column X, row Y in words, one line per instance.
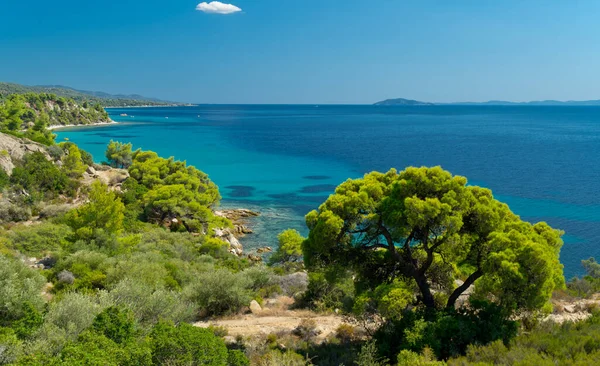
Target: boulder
column 90, row 170
column 13, row 148
column 255, row 307
column 235, row 247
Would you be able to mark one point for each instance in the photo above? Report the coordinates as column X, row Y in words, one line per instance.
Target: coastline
column 56, row 127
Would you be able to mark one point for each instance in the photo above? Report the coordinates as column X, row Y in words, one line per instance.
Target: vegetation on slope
column 81, row 96
column 29, row 115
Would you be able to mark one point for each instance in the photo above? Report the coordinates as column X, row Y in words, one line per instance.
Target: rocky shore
column 240, row 220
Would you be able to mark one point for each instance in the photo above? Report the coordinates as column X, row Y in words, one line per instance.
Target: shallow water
column 285, row 160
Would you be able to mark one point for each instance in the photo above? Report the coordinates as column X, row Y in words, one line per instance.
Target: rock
column 264, row 250
column 254, row 258
column 90, row 170
column 255, row 307
column 236, row 214
column 235, row 247
column 13, row 149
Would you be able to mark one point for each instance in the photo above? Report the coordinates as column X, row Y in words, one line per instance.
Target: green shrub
column 149, row 305
column 20, row 289
column 66, row 319
column 220, row 292
column 4, row 179
column 40, row 239
column 36, row 174
column 116, row 324
column 186, row 345
column 95, row 349
column 237, row 358
column 10, row 346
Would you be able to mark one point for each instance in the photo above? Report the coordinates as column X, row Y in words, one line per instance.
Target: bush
column 448, row 333
column 115, row 324
column 40, row 239
column 220, row 292
column 4, row 179
column 20, row 287
column 186, row 345
column 346, row 333
column 150, row 306
column 10, row 212
column 278, row 358
column 237, row 358
column 10, row 346
column 66, row 319
column 36, row 174
column 293, row 283
column 96, row 349
column 368, row 356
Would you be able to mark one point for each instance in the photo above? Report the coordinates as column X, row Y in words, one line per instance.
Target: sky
column 288, row 51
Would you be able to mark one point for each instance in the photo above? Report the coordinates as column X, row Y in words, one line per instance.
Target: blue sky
column 288, row 51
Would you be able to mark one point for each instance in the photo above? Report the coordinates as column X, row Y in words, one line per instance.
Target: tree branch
column 462, row 288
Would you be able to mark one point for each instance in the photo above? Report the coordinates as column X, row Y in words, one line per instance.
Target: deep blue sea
column 285, row 160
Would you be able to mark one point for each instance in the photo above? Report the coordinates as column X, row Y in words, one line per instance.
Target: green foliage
column 221, row 291
column 4, row 179
column 26, row 326
column 429, row 228
column 97, row 349
column 34, row 112
column 104, row 211
column 237, row 358
column 447, row 333
column 115, row 324
column 368, row 356
column 151, row 305
column 548, row 344
column 73, row 163
column 186, row 345
column 66, row 319
column 119, row 155
column 289, row 249
column 40, row 177
column 177, row 195
column 38, row 240
column 20, row 290
column 10, row 346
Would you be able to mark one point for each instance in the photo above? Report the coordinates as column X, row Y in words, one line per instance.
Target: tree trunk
column 462, row 288
column 428, row 299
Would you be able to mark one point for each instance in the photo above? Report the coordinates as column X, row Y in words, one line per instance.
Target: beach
column 55, row 127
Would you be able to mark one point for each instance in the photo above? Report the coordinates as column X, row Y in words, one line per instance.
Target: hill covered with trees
column 104, row 99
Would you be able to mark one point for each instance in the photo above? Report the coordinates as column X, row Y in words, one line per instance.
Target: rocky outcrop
column 13, row 149
column 226, row 235
column 239, row 219
column 112, row 177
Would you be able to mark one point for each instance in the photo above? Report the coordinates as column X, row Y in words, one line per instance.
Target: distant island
column 93, row 97
column 401, row 101
column 410, row 102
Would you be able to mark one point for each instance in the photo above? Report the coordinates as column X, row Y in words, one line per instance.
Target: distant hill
column 401, row 101
column 409, row 102
column 104, row 99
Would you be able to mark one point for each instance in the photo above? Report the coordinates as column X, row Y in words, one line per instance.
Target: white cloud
column 217, row 7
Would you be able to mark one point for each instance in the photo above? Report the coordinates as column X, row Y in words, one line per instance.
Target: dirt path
column 283, row 322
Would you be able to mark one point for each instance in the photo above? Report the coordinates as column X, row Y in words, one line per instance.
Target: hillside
column 410, row 102
column 94, row 97
column 401, row 101
column 30, row 115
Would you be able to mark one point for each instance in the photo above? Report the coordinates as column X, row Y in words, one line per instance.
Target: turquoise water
column 285, row 160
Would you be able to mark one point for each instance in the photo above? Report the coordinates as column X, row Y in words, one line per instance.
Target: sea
column 284, row 160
